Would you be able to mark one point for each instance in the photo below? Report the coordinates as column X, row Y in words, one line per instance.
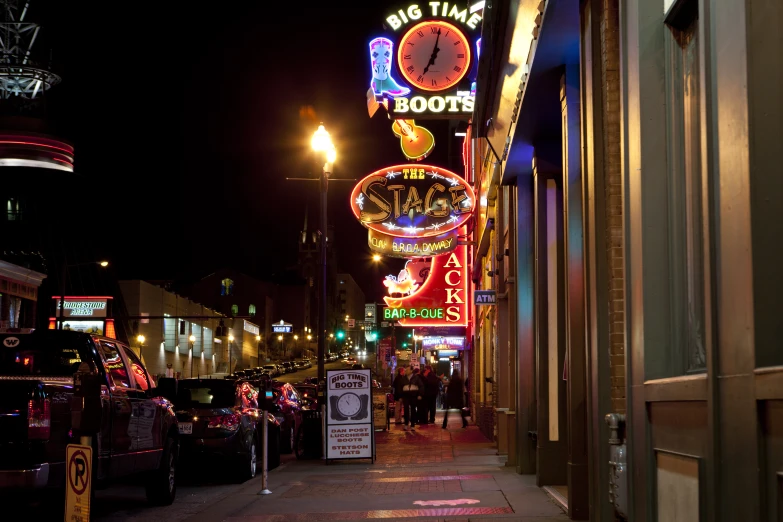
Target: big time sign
column 413, row 201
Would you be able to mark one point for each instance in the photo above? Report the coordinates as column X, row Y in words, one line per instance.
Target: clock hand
column 434, row 54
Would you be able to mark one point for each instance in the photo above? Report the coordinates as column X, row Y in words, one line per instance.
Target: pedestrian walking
column 400, row 380
column 444, row 383
column 416, row 390
column 455, row 399
column 431, row 393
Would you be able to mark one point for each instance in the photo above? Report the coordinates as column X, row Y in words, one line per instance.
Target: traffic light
column 340, row 334
column 404, row 345
column 410, row 335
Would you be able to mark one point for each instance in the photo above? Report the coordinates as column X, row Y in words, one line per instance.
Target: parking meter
column 266, row 395
column 86, row 402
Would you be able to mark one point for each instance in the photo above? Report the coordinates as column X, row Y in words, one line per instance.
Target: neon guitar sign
column 416, row 142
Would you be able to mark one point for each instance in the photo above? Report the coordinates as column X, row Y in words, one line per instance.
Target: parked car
column 308, row 394
column 308, row 363
column 299, row 365
column 220, row 418
column 287, row 409
column 138, row 433
column 273, row 370
column 289, row 367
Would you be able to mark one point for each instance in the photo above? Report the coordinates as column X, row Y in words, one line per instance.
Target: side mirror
column 167, row 387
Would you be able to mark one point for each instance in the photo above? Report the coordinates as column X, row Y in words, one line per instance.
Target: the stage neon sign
column 412, row 201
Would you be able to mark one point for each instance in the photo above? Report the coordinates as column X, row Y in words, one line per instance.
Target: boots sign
column 413, row 201
column 425, row 65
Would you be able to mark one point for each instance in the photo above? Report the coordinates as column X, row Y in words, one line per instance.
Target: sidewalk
column 429, row 474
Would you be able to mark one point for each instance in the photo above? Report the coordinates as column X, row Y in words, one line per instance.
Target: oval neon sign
column 412, row 201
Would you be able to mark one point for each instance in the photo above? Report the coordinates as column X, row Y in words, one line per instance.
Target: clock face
column 433, row 56
column 349, row 404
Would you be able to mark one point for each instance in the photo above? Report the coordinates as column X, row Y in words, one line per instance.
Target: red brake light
column 38, row 419
column 225, row 422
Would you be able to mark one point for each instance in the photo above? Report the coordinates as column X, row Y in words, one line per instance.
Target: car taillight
column 225, row 422
column 39, row 419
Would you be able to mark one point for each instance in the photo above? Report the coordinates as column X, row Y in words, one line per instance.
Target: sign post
column 78, row 460
column 349, row 420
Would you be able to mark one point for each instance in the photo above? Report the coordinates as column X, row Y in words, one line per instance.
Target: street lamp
column 192, row 341
column 280, row 345
column 296, row 344
column 322, row 143
column 140, row 338
column 376, row 258
column 63, row 275
column 258, row 349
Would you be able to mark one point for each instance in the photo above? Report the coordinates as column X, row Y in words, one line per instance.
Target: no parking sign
column 78, row 482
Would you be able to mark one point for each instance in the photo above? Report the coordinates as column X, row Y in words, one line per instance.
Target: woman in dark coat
column 454, row 398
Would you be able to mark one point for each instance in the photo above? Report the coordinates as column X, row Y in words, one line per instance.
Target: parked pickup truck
column 138, row 428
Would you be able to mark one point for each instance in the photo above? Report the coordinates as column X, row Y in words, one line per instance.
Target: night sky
column 189, row 119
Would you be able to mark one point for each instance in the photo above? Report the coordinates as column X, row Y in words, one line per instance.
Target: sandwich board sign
column 350, row 429
column 78, row 482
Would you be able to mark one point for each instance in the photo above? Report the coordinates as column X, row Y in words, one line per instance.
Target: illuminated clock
column 433, row 55
column 349, row 404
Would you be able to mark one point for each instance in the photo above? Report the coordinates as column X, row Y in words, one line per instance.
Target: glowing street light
column 322, row 144
column 376, row 257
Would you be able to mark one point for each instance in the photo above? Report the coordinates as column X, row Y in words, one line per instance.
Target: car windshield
column 206, row 394
column 47, row 353
column 269, row 367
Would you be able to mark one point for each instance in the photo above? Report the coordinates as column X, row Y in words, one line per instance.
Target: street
column 298, row 376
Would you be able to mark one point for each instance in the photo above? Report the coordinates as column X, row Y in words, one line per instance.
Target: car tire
column 248, row 464
column 161, row 486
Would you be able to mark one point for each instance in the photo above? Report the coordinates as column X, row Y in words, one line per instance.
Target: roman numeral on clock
column 434, row 83
column 420, row 79
column 434, row 30
column 406, row 57
column 420, row 33
column 410, row 69
column 457, row 68
column 460, row 56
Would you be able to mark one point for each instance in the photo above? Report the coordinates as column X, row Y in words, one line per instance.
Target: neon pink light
column 5, row 142
column 63, row 161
